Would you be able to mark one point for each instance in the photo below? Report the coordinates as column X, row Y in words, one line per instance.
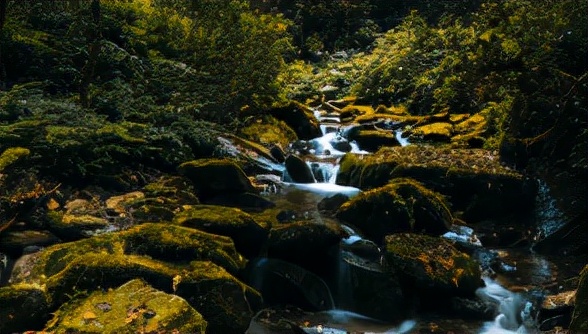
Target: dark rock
column 23, row 307
column 402, row 206
column 287, row 216
column 333, row 203
column 300, row 118
column 278, row 154
column 429, row 266
column 213, row 177
column 372, row 140
column 299, row 170
column 14, row 242
column 245, row 201
column 579, row 322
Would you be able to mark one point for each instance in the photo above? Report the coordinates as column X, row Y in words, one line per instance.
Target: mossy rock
column 14, row 242
column 11, row 155
column 299, row 118
column 305, row 243
column 269, row 131
column 131, row 308
column 163, row 198
column 404, row 205
column 474, row 179
column 372, row 140
column 23, row 307
column 579, row 322
column 429, row 266
column 298, row 170
column 165, row 242
column 434, row 132
column 246, row 233
column 226, row 303
column 72, row 227
column 213, row 177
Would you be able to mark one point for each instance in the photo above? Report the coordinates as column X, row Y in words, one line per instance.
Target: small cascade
column 514, row 312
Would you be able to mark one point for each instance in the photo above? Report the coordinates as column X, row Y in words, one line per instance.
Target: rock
column 556, row 310
column 474, row 179
column 428, row 266
column 226, row 303
column 119, row 204
column 163, row 242
column 373, row 140
column 300, row 118
column 213, row 177
column 579, row 322
column 435, row 132
column 15, row 242
column 131, row 308
column 245, row 232
column 306, row 244
column 278, row 153
column 72, row 227
column 404, row 205
column 298, row 170
column 279, row 320
column 23, row 307
column 333, row 203
column 246, row 201
column 283, row 283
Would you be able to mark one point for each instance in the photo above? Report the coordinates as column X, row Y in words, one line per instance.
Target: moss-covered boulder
column 305, row 243
column 248, row 236
column 23, row 307
column 165, row 242
column 74, row 227
column 372, row 140
column 404, row 205
column 579, row 322
column 134, row 307
column 213, row 177
column 298, row 170
column 11, row 155
column 474, row 179
column 226, row 303
column 300, row 118
column 434, row 132
column 430, row 266
column 269, row 131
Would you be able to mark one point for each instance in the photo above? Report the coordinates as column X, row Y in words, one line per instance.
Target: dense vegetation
column 90, row 86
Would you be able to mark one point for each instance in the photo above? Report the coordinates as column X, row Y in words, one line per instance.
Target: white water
column 325, row 189
column 514, row 312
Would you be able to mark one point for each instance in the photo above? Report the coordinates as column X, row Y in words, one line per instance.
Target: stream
column 516, row 288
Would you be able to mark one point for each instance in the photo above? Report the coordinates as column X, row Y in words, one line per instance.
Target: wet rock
column 131, row 308
column 278, row 153
column 226, row 303
column 556, row 310
column 300, row 118
column 23, row 307
column 402, row 206
column 279, row 320
column 245, row 232
column 579, row 322
column 429, row 266
column 304, row 243
column 15, row 242
column 213, row 177
column 333, row 203
column 299, row 170
column 282, row 283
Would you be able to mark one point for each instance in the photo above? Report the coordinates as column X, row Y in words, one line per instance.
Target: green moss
column 269, row 131
column 131, row 308
column 427, row 264
column 11, row 155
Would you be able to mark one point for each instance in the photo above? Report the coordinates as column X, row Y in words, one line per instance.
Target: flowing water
column 514, row 311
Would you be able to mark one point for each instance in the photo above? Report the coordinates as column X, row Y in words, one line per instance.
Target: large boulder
column 131, row 308
column 431, row 266
column 477, row 184
column 23, row 307
column 165, row 242
column 214, row 177
column 300, row 118
column 404, row 205
column 372, row 140
column 226, row 303
column 247, row 234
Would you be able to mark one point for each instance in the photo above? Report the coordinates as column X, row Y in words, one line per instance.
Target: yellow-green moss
column 11, row 155
column 131, row 308
column 269, row 131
